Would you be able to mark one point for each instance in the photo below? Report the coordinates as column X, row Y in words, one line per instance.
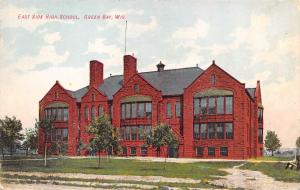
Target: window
column 260, row 135
column 58, row 114
column 196, row 106
column 133, row 133
column 58, row 134
column 260, row 114
column 213, row 80
column 141, row 133
column 100, row 111
column 127, row 133
column 53, row 134
column 211, row 151
column 128, row 110
column 133, row 150
column 199, row 151
column 211, row 130
column 122, row 133
column 228, row 107
column 148, row 130
column 93, row 112
column 65, row 134
column 111, row 111
column 86, row 113
column 212, row 105
column 196, row 131
column 123, row 111
column 93, row 97
column 148, row 110
column 178, row 109
column 224, row 151
column 141, row 110
column 203, row 131
column 66, row 114
column 136, row 88
column 133, row 110
column 220, row 105
column 169, row 110
column 124, row 150
column 203, row 106
column 56, row 95
column 144, row 150
column 229, row 131
column 220, row 130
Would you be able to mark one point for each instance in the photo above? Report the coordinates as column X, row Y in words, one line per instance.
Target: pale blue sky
column 252, row 40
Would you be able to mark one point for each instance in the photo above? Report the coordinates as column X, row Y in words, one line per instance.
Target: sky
column 251, row 40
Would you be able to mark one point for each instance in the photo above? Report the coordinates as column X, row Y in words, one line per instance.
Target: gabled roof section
column 169, row 82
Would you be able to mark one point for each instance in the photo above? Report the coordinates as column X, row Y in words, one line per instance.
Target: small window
column 136, row 88
column 144, row 150
column 93, row 97
column 213, row 80
column 86, row 113
column 229, row 131
column 260, row 135
column 128, row 110
column 196, row 106
column 133, row 150
column 128, row 133
column 203, row 131
column 203, row 106
column 212, row 105
column 220, row 105
column 196, row 131
column 56, row 95
column 169, row 110
column 123, row 110
column 141, row 133
column 122, row 133
column 211, row 130
column 65, row 114
column 141, row 112
column 133, row 110
column 224, row 151
column 220, row 130
column 133, row 133
column 199, row 151
column 124, row 150
column 93, row 113
column 178, row 109
column 211, row 151
column 148, row 110
column 228, row 107
column 65, row 134
column 260, row 115
column 100, row 110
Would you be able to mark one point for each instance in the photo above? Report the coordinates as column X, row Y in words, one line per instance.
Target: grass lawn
column 202, row 170
column 273, row 158
column 276, row 170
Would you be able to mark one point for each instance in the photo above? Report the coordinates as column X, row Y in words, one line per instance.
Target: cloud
column 47, row 54
column 199, row 30
column 51, row 38
column 135, row 29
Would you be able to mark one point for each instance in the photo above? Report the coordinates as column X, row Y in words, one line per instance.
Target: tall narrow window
column 93, row 112
column 148, row 130
column 260, row 114
column 220, row 105
column 178, row 109
column 260, row 135
column 196, row 131
column 229, row 131
column 65, row 134
column 203, row 106
column 65, row 114
column 111, row 111
column 228, row 101
column 220, row 130
column 212, row 105
column 133, row 150
column 203, row 131
column 128, row 110
column 148, row 110
column 127, row 133
column 196, row 106
column 100, row 110
column 59, row 114
column 141, row 112
column 133, row 110
column 122, row 134
column 169, row 110
column 133, row 133
column 213, row 80
column 86, row 113
column 123, row 111
column 211, row 130
column 141, row 133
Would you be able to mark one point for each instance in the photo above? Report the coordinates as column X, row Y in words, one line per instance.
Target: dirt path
column 252, row 180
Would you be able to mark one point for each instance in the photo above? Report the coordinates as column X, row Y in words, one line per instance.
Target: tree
column 162, row 136
column 298, row 144
column 272, row 141
column 31, row 140
column 103, row 135
column 2, row 140
column 10, row 133
column 46, row 125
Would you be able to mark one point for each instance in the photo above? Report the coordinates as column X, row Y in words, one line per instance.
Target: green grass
column 273, row 158
column 276, row 170
column 29, row 179
column 202, row 170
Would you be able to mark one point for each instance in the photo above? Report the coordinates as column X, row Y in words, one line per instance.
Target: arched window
column 213, row 80
column 93, row 112
column 100, row 110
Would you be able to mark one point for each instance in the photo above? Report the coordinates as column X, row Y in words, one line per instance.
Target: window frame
column 202, row 151
column 209, row 151
column 222, row 151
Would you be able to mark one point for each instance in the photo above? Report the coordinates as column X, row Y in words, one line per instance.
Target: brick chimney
column 129, row 68
column 96, row 73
